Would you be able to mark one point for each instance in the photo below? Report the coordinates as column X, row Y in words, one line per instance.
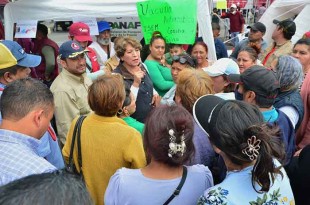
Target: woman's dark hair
column 235, row 123
column 200, row 43
column 262, row 101
column 127, row 100
column 253, row 52
column 304, row 41
column 157, row 35
column 156, row 134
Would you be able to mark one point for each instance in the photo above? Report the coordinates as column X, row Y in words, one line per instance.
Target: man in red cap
column 79, row 32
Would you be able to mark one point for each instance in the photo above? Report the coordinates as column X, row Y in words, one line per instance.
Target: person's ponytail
column 270, row 148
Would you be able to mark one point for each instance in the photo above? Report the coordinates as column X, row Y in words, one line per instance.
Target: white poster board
column 26, row 29
column 91, row 22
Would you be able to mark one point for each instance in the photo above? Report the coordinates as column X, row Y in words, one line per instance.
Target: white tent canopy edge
column 59, row 9
column 283, row 9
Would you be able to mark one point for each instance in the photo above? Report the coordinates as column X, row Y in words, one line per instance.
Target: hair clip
column 175, row 147
column 252, row 150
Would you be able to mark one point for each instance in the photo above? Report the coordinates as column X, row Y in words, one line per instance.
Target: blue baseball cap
column 103, row 26
column 13, row 54
column 70, row 49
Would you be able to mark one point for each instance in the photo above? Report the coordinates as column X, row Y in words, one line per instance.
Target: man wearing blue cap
column 14, row 65
column 103, row 46
column 70, row 88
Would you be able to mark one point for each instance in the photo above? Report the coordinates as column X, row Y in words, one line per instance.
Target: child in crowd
column 174, row 50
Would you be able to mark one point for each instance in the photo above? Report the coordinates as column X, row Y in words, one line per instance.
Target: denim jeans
column 235, row 39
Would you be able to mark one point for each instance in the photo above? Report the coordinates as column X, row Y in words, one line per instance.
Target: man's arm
column 49, row 56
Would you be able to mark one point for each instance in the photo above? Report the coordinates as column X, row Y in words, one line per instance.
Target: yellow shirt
column 70, row 97
column 107, row 144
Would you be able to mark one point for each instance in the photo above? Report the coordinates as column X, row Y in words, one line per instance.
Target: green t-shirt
column 160, row 76
column 134, row 124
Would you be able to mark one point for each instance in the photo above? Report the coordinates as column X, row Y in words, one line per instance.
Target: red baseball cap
column 80, row 31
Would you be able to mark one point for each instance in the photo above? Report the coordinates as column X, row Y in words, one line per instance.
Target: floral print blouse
column 237, row 189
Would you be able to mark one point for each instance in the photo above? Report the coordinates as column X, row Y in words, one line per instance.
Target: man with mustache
column 70, row 88
column 103, row 46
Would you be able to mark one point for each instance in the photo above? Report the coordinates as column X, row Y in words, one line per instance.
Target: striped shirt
column 19, row 157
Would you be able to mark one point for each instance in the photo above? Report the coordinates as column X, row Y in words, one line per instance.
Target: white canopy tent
column 60, row 9
column 283, row 9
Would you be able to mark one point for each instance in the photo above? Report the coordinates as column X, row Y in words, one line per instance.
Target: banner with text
column 175, row 19
column 125, row 26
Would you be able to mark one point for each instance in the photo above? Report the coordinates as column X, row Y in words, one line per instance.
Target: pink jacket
column 303, row 133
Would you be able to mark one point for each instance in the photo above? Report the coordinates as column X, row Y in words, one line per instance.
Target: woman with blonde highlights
column 107, row 142
column 192, row 84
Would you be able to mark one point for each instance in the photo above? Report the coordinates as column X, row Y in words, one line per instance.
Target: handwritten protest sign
column 175, row 19
column 26, row 29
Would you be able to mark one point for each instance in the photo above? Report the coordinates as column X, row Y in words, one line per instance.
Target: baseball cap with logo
column 13, row 54
column 70, row 49
column 80, row 31
column 259, row 79
column 223, row 66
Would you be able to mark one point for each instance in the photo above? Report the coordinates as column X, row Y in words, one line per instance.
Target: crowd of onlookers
column 123, row 123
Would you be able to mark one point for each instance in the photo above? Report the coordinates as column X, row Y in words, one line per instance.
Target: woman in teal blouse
column 155, row 62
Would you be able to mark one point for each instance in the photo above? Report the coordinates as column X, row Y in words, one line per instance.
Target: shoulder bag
column 178, row 189
column 76, row 134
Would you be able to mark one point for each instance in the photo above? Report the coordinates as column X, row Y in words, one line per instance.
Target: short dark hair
column 106, row 95
column 238, row 121
column 127, row 100
column 42, row 28
column 53, row 188
column 156, row 134
column 24, row 95
column 262, row 101
column 13, row 69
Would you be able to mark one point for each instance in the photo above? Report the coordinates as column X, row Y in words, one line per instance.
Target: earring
column 120, row 112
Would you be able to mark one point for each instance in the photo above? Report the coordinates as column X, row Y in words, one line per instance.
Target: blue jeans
column 235, row 39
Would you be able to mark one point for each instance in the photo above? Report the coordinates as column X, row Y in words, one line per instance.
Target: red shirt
column 236, row 21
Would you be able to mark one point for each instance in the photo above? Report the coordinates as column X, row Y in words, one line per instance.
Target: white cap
column 233, row 6
column 223, row 66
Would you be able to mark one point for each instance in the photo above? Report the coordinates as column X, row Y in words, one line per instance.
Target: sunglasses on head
column 183, row 60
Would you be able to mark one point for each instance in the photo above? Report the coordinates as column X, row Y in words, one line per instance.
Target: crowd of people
column 94, row 124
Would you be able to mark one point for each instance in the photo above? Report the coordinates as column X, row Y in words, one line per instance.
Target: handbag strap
column 79, row 142
column 75, row 132
column 178, row 189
